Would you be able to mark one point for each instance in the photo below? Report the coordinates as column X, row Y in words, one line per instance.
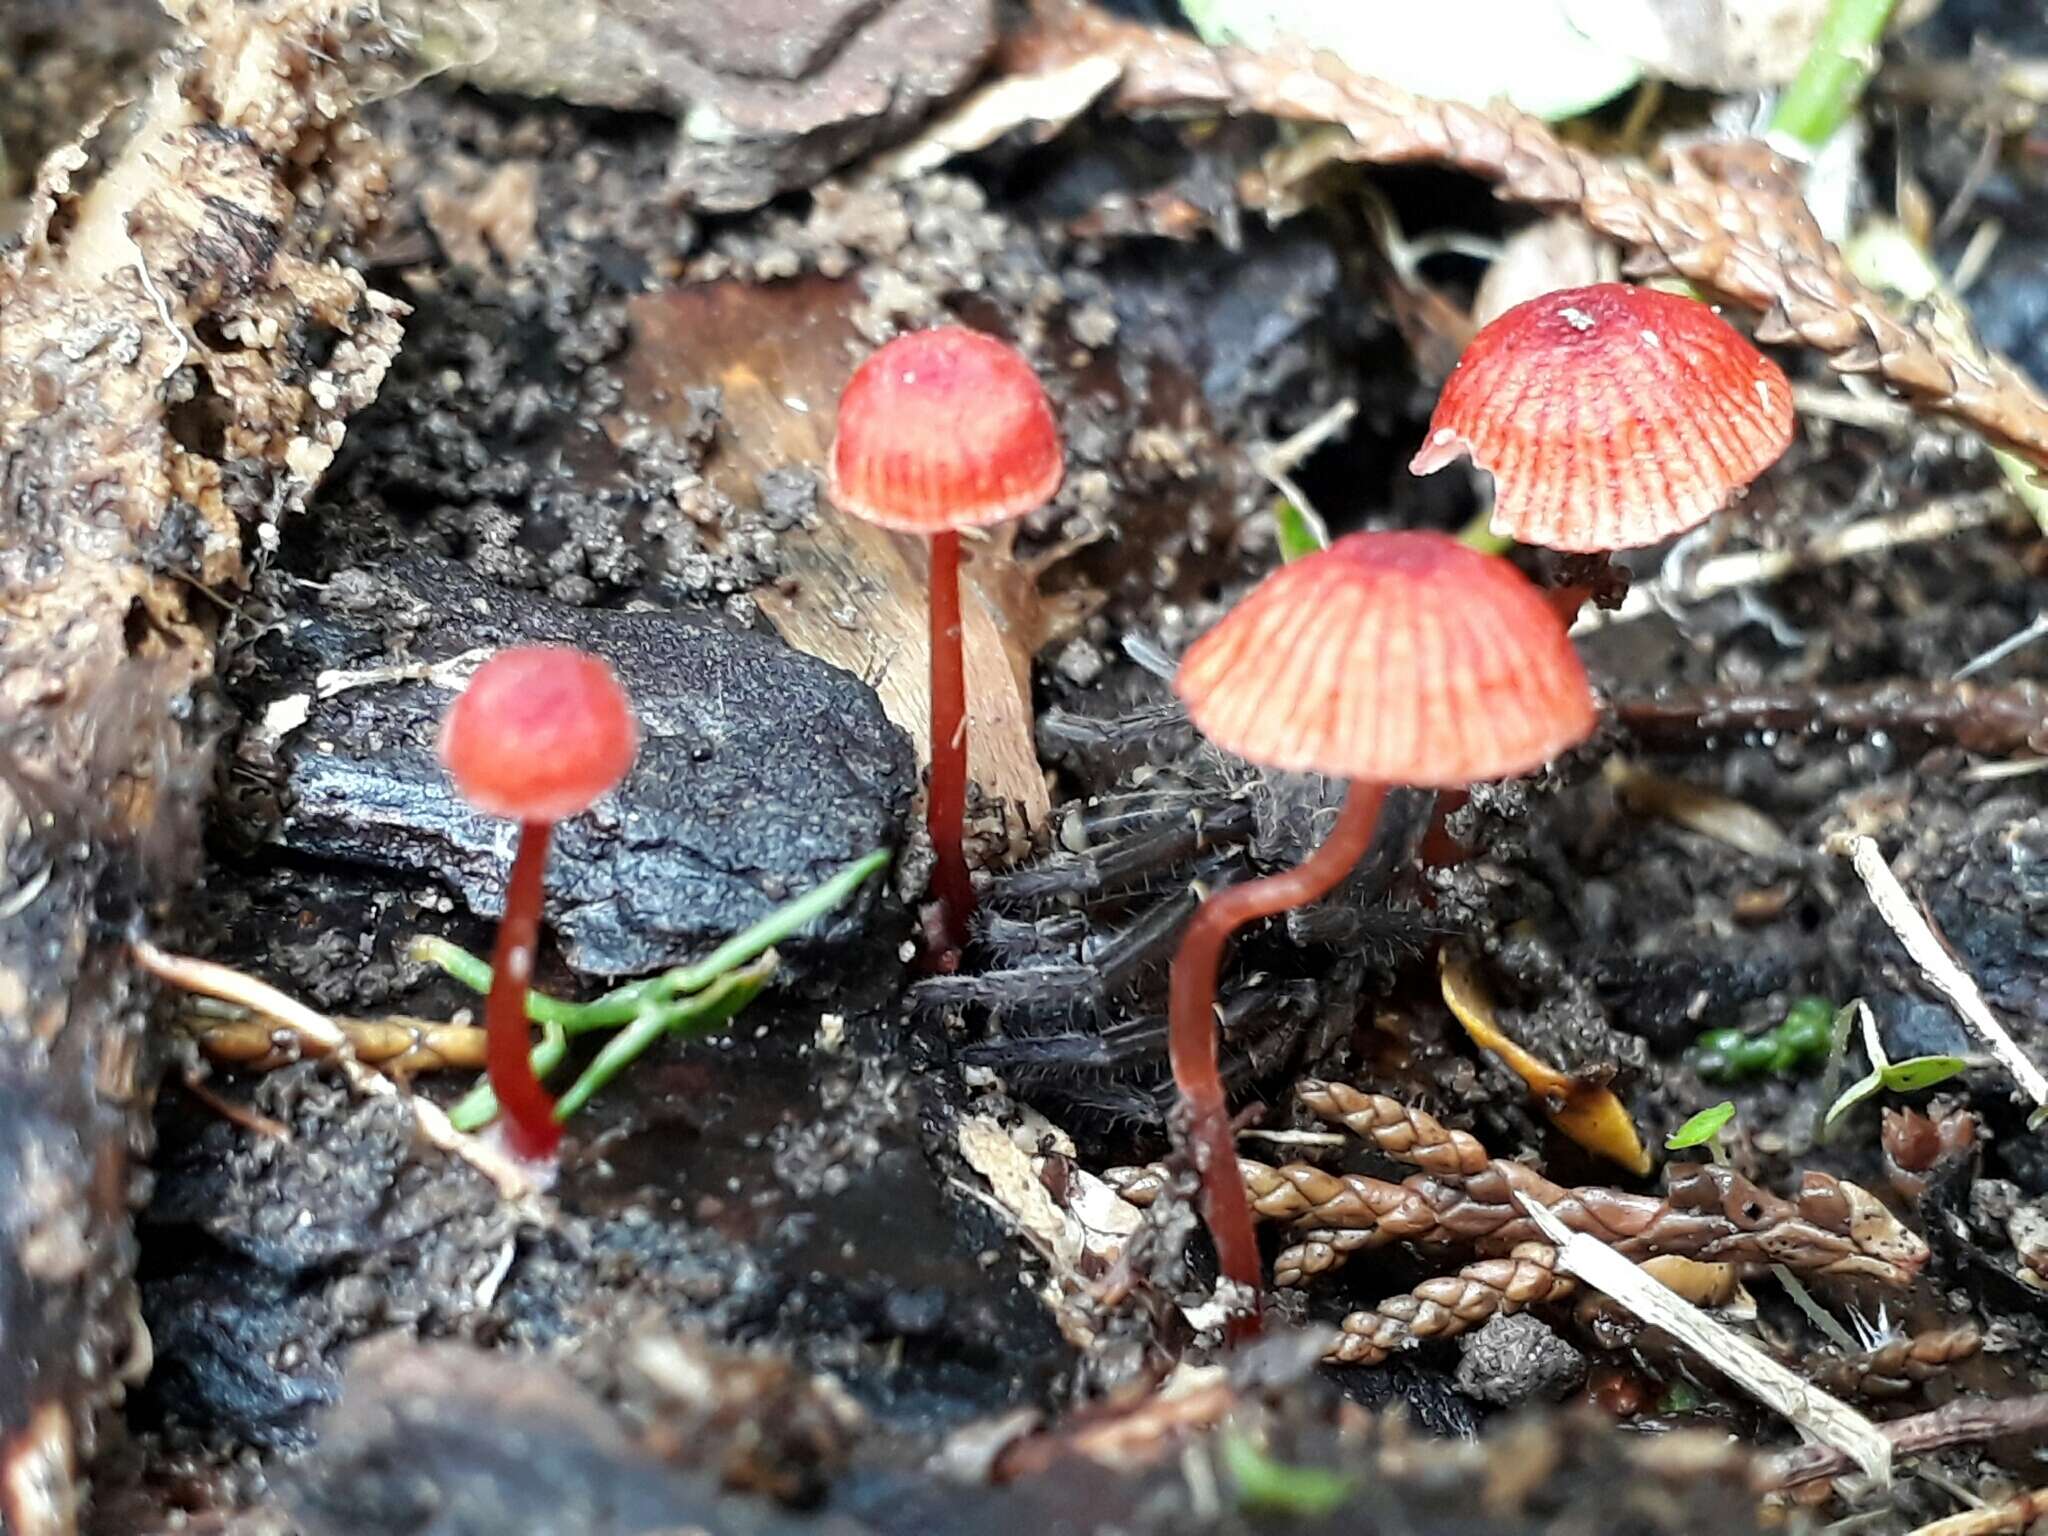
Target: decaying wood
column 177, row 359
column 854, row 595
column 1730, row 219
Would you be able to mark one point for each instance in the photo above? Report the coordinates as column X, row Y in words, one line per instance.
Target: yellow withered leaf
column 1589, row 1113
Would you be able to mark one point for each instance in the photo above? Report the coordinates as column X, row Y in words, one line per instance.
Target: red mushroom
column 1388, row 658
column 943, row 430
column 539, row 734
column 1610, row 417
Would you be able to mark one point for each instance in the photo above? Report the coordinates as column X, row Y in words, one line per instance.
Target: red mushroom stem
column 1192, row 1034
column 530, row 1124
column 946, row 804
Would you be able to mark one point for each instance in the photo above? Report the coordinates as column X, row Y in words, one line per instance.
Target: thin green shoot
column 702, row 1014
column 1825, row 93
column 1478, row 534
column 688, row 1001
column 1704, row 1130
column 1907, row 1076
column 1310, row 1493
column 1300, row 531
column 624, row 1004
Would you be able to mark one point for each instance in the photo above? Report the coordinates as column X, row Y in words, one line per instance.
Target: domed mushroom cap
column 941, row 430
column 1400, row 658
column 539, row 734
column 1610, row 416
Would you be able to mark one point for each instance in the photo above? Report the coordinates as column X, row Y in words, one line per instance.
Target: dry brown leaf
column 1730, row 219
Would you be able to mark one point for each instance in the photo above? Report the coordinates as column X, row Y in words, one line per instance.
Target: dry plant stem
column 1939, row 519
column 946, row 809
column 1731, row 219
column 210, row 979
column 1192, row 1042
column 1991, row 720
column 1966, row 1421
column 529, row 1111
column 1939, row 966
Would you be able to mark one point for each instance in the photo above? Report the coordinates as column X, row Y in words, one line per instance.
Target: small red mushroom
column 539, row 734
column 1388, row 658
column 1610, row 417
column 939, row 431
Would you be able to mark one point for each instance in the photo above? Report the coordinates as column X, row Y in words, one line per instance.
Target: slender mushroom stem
column 1566, row 602
column 529, row 1113
column 1192, row 1036
column 946, row 812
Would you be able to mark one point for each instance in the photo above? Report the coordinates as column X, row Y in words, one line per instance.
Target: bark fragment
column 177, row 358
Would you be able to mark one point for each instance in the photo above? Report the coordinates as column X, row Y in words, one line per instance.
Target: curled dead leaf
column 1589, row 1113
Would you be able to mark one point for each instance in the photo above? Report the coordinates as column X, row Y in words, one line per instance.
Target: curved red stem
column 946, row 812
column 1192, row 1032
column 1566, row 602
column 529, row 1112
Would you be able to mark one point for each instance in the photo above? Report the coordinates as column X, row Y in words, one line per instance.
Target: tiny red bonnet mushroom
column 1610, row 416
column 1387, row 658
column 939, row 431
column 540, row 733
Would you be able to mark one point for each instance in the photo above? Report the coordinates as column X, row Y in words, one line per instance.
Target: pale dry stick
column 1828, row 1419
column 1276, row 464
column 212, row 979
column 1849, row 408
column 1939, row 966
column 1760, row 567
column 2013, row 1514
column 1966, row 1421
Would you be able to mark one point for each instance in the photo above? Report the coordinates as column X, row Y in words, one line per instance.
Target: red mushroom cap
column 1610, row 416
column 1399, row 658
column 941, row 430
column 539, row 734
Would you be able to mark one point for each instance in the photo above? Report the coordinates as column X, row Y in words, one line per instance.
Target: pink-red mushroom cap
column 943, row 430
column 1610, row 417
column 1391, row 658
column 540, row 734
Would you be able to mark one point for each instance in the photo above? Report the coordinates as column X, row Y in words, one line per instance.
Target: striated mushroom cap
column 1400, row 658
column 942, row 430
column 540, row 733
column 1610, row 417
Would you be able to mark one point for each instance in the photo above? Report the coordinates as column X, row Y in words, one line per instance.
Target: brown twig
column 1447, row 1305
column 1993, row 721
column 1966, row 1421
column 1730, row 219
column 402, row 1047
column 1710, row 1213
column 1897, row 1366
column 1399, row 1130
